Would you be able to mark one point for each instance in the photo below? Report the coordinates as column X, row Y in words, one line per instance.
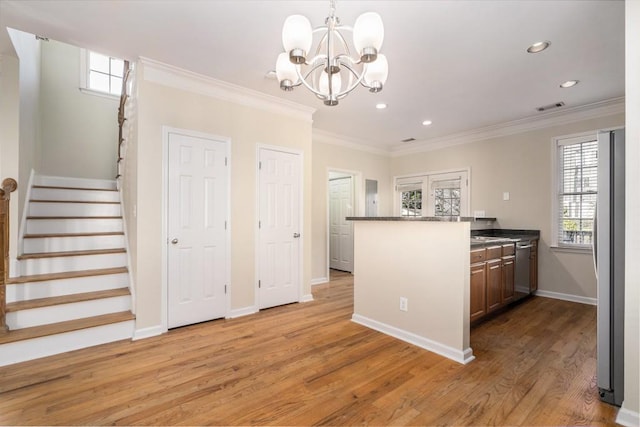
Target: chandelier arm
column 303, row 81
column 359, row 80
column 345, row 45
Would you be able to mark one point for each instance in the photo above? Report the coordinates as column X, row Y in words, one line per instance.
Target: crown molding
column 178, row 78
column 324, row 137
column 545, row 120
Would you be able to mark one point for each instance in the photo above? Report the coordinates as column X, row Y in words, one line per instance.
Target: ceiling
column 461, row 64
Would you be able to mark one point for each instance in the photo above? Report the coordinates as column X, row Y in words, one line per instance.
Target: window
column 576, row 190
column 433, row 194
column 101, row 73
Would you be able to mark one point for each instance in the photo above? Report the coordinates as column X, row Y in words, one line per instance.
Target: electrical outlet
column 404, row 304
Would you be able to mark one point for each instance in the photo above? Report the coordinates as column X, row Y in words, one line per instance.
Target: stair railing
column 121, row 114
column 9, row 185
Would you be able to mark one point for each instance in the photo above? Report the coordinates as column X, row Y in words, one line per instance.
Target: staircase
column 73, row 291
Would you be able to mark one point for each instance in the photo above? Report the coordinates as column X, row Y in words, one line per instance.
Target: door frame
column 300, row 153
column 358, row 207
column 166, row 132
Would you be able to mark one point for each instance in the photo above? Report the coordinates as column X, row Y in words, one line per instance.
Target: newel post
column 9, row 185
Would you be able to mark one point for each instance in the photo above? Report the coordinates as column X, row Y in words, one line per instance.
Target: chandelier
column 332, row 72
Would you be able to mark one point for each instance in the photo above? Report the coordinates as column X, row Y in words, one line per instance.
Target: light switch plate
column 506, row 195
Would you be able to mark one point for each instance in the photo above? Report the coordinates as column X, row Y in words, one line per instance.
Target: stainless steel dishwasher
column 523, row 260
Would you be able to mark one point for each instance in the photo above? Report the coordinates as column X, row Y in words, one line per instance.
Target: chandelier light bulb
column 297, row 36
column 286, row 72
column 336, row 82
column 376, row 74
column 368, row 34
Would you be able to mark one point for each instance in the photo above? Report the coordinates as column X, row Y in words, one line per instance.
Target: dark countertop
column 503, row 236
column 418, row 218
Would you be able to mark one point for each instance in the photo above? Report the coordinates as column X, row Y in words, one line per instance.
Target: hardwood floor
column 305, row 364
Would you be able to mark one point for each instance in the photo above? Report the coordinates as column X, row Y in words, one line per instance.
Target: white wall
column 520, row 164
column 200, row 109
column 631, row 405
column 79, row 132
column 326, row 157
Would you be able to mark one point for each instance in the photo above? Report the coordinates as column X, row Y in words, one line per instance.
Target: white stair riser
column 21, row 351
column 55, row 288
column 75, row 195
column 63, row 312
column 73, row 209
column 60, row 226
column 72, row 263
column 65, row 244
column 63, row 181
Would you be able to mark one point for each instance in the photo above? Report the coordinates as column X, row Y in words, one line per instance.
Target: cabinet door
column 508, row 278
column 533, row 268
column 494, row 284
column 478, row 292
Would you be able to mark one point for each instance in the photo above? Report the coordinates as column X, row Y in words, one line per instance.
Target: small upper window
column 101, row 73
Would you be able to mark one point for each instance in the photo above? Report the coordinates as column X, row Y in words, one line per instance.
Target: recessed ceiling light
column 538, row 47
column 381, row 106
column 569, row 83
column 427, row 122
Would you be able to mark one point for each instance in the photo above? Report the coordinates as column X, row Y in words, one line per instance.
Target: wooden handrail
column 9, row 185
column 121, row 116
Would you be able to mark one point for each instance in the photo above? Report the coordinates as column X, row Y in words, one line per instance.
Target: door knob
column 174, row 241
column 296, row 235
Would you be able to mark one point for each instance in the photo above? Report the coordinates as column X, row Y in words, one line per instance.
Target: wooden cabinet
column 477, row 295
column 533, row 267
column 508, row 278
column 492, row 279
column 494, row 284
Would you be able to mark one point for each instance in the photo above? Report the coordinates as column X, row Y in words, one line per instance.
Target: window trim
column 424, row 178
column 84, row 80
column 556, row 143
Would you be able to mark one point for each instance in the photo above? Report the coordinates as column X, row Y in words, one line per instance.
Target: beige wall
column 9, row 139
column 521, row 165
column 79, row 132
column 328, row 157
column 159, row 106
column 632, row 280
column 425, row 262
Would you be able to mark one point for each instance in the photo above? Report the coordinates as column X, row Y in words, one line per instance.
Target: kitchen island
column 411, row 281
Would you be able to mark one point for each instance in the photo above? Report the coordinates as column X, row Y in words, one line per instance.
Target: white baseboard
column 319, row 281
column 306, row 298
column 460, row 356
column 567, row 297
column 627, row 417
column 151, row 331
column 239, row 312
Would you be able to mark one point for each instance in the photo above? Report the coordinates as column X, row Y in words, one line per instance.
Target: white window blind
column 577, row 189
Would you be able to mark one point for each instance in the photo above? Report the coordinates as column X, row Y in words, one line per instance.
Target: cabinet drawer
column 494, row 252
column 509, row 249
column 478, row 255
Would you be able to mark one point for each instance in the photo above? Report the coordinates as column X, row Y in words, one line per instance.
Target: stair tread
column 65, row 275
column 66, row 299
column 39, row 255
column 66, row 326
column 74, row 201
column 43, row 235
column 77, row 217
column 73, row 188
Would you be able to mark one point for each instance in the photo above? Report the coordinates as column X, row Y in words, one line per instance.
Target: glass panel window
column 412, row 203
column 447, row 198
column 577, row 190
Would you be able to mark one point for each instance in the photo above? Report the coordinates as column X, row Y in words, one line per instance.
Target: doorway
column 279, row 226
column 197, row 236
column 341, row 205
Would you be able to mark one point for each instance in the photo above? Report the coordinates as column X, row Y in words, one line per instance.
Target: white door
column 197, row 216
column 341, row 230
column 279, row 227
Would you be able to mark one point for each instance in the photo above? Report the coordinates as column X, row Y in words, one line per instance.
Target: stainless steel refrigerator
column 609, row 261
